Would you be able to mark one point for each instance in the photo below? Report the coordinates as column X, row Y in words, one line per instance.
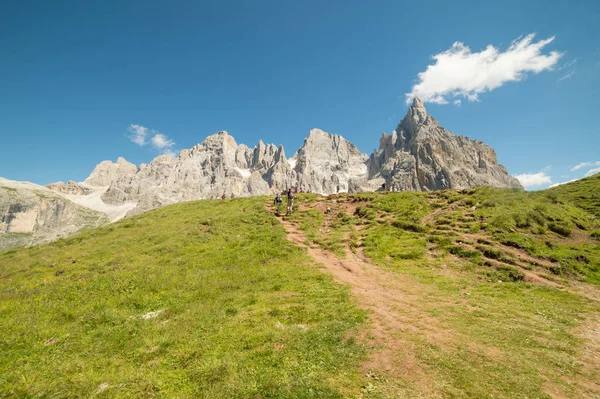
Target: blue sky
column 75, row 76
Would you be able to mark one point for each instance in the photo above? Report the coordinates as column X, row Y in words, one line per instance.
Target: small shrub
column 539, row 230
column 516, row 241
column 582, row 259
column 556, row 269
column 537, row 217
column 463, row 253
column 503, row 222
column 408, row 226
column 492, row 253
column 552, row 196
column 595, row 234
column 366, row 213
column 441, row 241
column 510, row 273
column 489, row 204
column 521, row 220
column 560, row 228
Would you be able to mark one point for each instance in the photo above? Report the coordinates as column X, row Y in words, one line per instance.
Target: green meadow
column 208, row 299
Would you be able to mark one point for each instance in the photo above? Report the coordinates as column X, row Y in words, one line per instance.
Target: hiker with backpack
column 444, row 182
column 290, row 200
column 277, row 202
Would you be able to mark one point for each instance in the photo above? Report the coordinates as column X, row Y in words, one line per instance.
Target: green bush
column 408, row 226
column 463, row 253
column 521, row 220
column 560, row 228
column 537, row 217
column 365, row 213
column 510, row 273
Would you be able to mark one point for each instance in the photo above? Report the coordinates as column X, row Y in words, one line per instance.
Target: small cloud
column 569, row 64
column 584, row 165
column 161, row 141
column 570, row 67
column 592, row 172
column 460, row 72
column 138, row 134
column 170, row 154
column 458, row 103
column 529, row 180
column 567, row 75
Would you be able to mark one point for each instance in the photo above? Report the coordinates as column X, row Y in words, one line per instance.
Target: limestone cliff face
column 420, row 151
column 69, row 188
column 106, row 172
column 328, row 163
column 32, row 214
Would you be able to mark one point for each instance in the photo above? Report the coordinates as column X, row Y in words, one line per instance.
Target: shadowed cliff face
column 413, row 157
column 31, row 214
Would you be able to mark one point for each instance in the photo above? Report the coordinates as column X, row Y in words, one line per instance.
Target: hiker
column 444, row 182
column 277, row 202
column 290, row 200
column 223, row 196
column 383, row 187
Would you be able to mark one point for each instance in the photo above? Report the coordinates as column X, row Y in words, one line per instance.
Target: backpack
column 291, row 194
column 279, row 199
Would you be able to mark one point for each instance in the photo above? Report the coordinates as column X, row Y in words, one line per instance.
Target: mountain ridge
column 414, row 157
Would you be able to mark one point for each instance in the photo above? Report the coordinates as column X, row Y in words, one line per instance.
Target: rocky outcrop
column 32, row 214
column 107, row 172
column 70, row 188
column 413, row 157
column 419, row 152
column 328, row 163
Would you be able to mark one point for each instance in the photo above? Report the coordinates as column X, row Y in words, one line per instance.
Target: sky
column 82, row 82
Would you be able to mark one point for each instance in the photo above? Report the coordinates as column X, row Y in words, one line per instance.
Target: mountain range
column 413, row 157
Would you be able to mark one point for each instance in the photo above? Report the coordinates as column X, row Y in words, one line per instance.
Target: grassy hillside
column 203, row 299
column 507, row 281
column 482, row 293
column 584, row 193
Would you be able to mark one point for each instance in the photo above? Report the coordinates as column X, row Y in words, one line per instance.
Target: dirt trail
column 394, row 311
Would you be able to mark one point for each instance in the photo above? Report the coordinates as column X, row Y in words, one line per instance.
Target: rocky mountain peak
column 220, row 139
column 420, row 151
column 108, row 171
column 417, row 114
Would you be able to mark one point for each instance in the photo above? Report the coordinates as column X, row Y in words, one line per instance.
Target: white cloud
column 161, row 141
column 584, row 165
column 569, row 64
column 138, row 134
column 592, row 172
column 460, row 72
column 529, row 180
column 458, row 103
column 567, row 75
